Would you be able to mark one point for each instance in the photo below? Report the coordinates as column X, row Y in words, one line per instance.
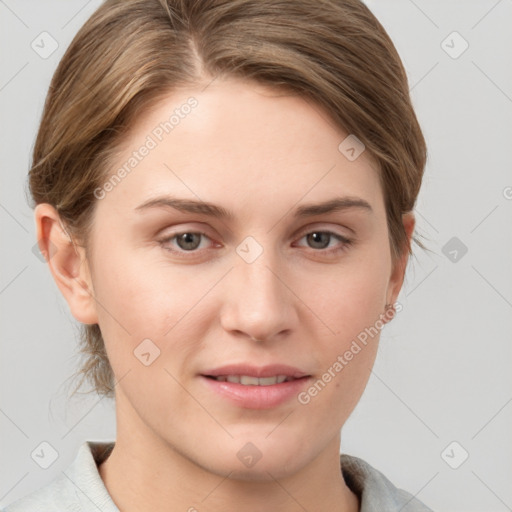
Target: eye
column 187, row 241
column 190, row 241
column 321, row 240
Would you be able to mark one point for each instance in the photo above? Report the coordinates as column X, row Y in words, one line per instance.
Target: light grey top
column 80, row 488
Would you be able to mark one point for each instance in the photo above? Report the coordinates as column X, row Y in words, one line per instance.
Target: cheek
column 349, row 299
column 131, row 290
column 351, row 305
column 155, row 300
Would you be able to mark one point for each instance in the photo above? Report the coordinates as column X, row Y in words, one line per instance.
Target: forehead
column 240, row 144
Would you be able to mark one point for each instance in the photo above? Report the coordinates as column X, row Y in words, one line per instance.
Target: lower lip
column 257, row 397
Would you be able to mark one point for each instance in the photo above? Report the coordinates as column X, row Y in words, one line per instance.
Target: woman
column 224, row 193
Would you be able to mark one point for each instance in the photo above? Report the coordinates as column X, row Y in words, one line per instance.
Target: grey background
column 443, row 369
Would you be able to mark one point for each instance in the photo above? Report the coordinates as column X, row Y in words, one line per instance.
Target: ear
column 67, row 263
column 398, row 272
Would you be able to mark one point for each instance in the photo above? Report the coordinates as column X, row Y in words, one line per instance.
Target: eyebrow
column 213, row 210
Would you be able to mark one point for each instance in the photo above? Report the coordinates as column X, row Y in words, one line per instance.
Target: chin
column 261, row 471
column 257, row 458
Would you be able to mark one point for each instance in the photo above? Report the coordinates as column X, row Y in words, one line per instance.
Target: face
column 272, row 285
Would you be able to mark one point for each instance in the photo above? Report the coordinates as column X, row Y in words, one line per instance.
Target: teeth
column 247, row 380
column 265, row 381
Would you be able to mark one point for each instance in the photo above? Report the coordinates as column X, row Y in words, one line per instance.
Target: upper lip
column 256, row 371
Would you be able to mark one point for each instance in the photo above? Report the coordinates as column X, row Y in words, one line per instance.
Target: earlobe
column 67, row 263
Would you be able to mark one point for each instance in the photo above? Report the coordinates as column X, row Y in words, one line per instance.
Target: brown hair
column 132, row 53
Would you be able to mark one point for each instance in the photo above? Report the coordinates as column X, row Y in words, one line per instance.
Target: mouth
column 251, row 387
column 248, row 380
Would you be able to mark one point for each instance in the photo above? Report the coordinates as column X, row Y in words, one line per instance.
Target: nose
column 257, row 302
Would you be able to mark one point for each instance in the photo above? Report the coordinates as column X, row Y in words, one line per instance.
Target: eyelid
column 323, row 228
column 174, row 234
column 180, row 228
column 339, row 236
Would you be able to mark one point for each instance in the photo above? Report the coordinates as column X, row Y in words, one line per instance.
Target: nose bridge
column 258, row 302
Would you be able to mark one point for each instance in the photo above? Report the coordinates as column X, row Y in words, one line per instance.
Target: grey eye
column 188, row 241
column 320, row 239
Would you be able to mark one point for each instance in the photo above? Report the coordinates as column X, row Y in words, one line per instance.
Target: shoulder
column 78, row 488
column 55, row 496
column 375, row 491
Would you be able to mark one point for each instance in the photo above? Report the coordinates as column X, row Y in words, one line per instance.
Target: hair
column 130, row 54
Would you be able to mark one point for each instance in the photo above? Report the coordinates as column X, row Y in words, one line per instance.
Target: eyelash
column 346, row 242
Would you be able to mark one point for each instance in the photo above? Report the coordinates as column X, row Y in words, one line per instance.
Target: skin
column 259, row 154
